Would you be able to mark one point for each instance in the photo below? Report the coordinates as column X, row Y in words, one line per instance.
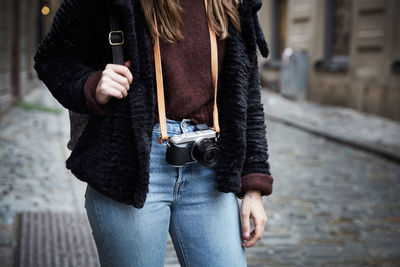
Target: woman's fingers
column 246, row 222
column 104, row 91
column 252, row 207
column 121, row 69
column 257, row 233
column 119, row 79
column 114, row 93
column 115, row 86
column 245, row 213
column 115, row 82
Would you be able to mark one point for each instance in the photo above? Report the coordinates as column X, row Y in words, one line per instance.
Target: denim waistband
column 174, row 126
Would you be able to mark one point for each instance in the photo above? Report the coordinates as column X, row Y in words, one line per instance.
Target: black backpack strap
column 116, row 38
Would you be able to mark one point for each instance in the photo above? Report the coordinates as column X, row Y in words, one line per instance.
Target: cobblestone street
column 332, row 204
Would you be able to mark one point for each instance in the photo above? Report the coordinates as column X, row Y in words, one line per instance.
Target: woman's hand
column 252, row 207
column 115, row 81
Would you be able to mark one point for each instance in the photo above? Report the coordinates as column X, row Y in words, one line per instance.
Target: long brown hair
column 169, row 20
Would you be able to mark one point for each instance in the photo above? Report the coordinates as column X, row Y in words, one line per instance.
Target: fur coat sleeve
column 66, row 74
column 256, row 173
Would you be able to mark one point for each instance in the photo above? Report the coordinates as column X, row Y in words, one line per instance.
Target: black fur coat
column 113, row 152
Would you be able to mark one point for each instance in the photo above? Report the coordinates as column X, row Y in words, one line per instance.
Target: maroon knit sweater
column 188, row 89
column 186, row 65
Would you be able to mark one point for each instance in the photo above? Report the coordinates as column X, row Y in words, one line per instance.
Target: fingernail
column 246, row 233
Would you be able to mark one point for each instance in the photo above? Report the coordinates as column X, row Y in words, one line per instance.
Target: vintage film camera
column 197, row 146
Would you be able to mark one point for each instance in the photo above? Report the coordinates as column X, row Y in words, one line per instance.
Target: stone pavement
column 332, row 204
column 370, row 132
column 32, row 172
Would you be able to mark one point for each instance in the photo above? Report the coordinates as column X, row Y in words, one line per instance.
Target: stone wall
column 370, row 82
column 5, row 55
column 21, row 28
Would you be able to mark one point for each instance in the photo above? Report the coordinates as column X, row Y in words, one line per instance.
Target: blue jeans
column 204, row 223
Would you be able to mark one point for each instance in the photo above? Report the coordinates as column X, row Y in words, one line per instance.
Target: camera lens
column 205, row 152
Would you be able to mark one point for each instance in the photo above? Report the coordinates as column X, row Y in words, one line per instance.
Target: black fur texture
column 113, row 152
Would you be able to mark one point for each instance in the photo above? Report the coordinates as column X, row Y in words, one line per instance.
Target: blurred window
column 337, row 34
column 279, row 28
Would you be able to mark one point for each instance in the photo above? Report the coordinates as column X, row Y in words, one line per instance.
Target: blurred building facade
column 353, row 49
column 23, row 23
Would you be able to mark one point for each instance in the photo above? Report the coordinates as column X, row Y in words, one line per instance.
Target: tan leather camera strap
column 160, row 87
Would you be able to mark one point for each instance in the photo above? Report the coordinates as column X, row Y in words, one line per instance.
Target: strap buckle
column 116, row 40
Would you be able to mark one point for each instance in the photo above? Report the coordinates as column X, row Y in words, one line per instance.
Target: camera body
column 197, row 146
